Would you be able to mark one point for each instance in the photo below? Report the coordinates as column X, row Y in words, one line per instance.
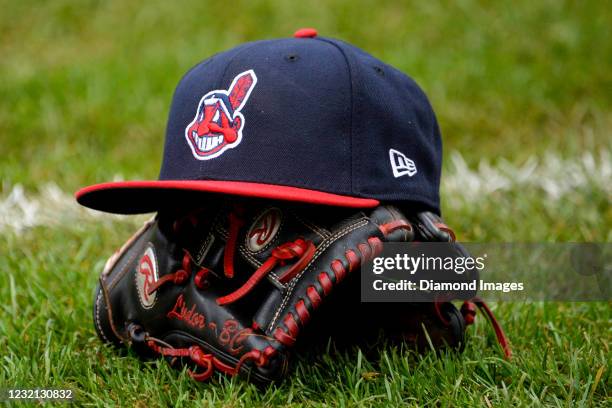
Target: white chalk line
column 554, row 176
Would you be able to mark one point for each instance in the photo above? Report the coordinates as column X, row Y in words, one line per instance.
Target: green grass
column 84, row 93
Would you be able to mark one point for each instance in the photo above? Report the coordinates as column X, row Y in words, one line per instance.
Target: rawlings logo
column 146, row 275
column 217, row 125
column 264, row 229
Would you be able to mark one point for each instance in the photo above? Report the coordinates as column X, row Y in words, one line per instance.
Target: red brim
column 136, row 197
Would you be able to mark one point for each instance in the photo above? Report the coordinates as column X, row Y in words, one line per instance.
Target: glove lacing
column 468, row 309
column 201, row 359
column 301, row 249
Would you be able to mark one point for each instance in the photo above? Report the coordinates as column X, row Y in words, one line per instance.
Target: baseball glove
column 232, row 287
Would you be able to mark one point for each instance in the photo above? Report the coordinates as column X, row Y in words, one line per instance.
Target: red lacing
column 235, row 223
column 201, row 278
column 468, row 310
column 447, row 229
column 302, row 249
column 189, row 220
column 209, row 362
column 392, row 226
column 178, row 277
column 314, row 294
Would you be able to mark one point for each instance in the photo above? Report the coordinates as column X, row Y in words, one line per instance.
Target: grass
column 84, row 94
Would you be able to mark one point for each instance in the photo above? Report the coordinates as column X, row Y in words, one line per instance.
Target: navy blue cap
column 307, row 119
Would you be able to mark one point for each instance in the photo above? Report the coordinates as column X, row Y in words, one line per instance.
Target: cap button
column 305, row 33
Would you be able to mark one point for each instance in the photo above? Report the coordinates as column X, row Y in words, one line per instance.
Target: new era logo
column 401, row 164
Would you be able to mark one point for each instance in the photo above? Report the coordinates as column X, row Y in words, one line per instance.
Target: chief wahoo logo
column 218, row 123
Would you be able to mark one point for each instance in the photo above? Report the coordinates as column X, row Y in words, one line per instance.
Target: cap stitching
column 290, row 182
column 350, row 73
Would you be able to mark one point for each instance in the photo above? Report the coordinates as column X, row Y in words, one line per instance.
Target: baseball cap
column 308, row 119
